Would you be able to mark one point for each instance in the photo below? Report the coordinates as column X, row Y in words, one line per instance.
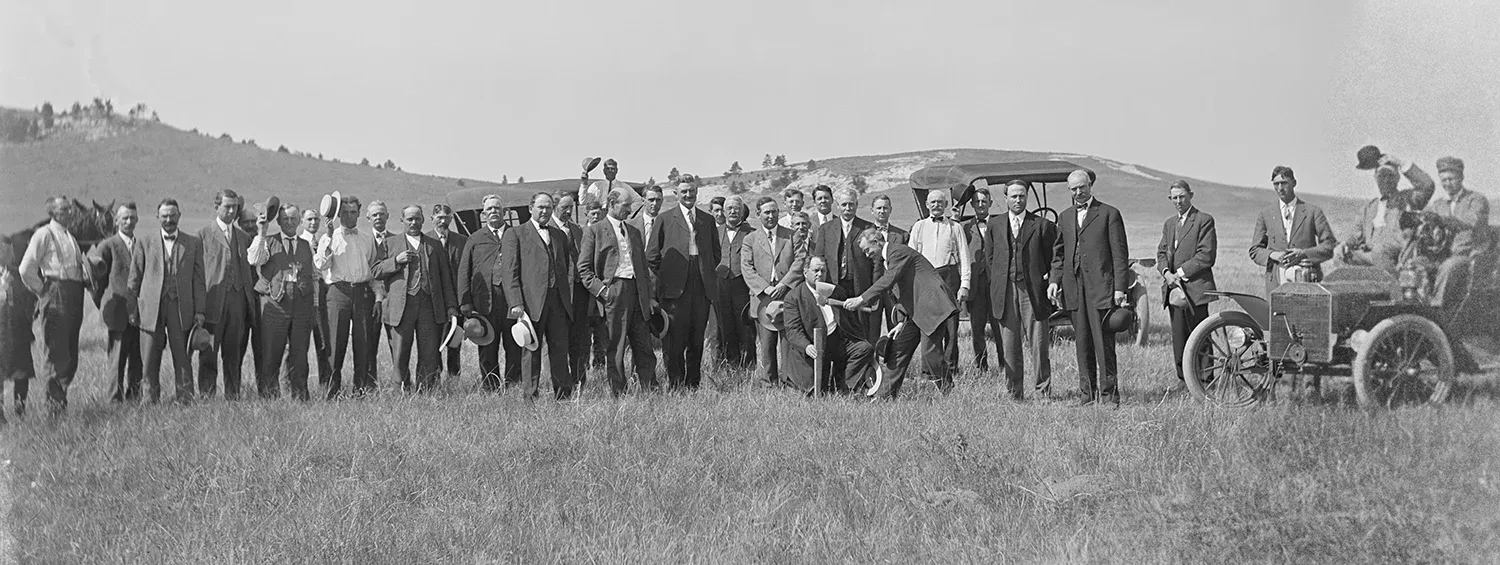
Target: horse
column 90, row 224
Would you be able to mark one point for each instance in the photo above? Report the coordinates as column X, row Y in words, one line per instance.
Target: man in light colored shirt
column 344, row 256
column 284, row 281
column 791, row 202
column 823, row 200
column 54, row 269
column 321, row 344
column 942, row 242
column 612, row 267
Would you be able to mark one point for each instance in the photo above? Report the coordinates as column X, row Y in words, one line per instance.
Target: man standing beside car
column 1186, row 255
column 1292, row 239
column 1089, row 278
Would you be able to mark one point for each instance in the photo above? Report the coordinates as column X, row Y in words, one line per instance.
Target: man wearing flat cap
column 1467, row 214
column 1376, row 239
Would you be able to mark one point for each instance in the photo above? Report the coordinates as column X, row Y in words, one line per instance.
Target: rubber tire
column 1192, row 380
column 1365, row 389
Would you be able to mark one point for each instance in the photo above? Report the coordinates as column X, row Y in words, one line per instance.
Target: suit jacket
column 111, row 288
column 668, row 252
column 1091, row 261
column 800, row 319
column 894, row 234
column 527, row 262
column 148, row 278
column 221, row 264
column 828, row 240
column 1310, row 232
column 480, row 283
column 599, row 257
column 1035, row 244
column 763, row 267
column 1468, row 214
column 396, row 277
column 732, row 240
column 919, row 289
column 454, row 248
column 1385, row 242
column 382, row 250
column 639, row 221
column 1192, row 247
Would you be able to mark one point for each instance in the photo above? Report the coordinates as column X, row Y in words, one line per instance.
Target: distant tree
column 320, row 156
column 251, row 142
column 504, row 180
column 77, row 109
column 109, row 108
column 811, row 164
column 767, row 162
column 389, row 164
column 154, row 117
column 365, row 161
column 47, row 115
column 738, row 187
column 98, row 106
column 14, row 128
column 780, row 161
column 651, row 181
column 673, row 175
column 461, row 182
column 282, row 149
column 860, row 184
column 195, row 130
column 225, row 137
column 735, row 168
column 520, row 180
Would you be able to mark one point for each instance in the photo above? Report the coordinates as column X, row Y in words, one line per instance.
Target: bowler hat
column 1118, row 320
column 658, row 322
column 524, row 333
column 1369, row 157
column 329, row 206
column 590, row 163
column 479, row 330
column 200, row 339
column 1450, row 164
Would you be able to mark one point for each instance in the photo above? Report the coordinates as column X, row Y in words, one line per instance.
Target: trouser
column 125, row 357
column 1184, row 320
column 418, row 327
column 767, row 349
column 906, row 345
column 230, row 334
column 452, row 356
column 683, row 346
column 950, row 275
column 1018, row 324
column 169, row 333
column 846, row 364
column 1091, row 355
column 285, row 328
column 321, row 343
column 737, row 337
column 980, row 320
column 349, row 316
column 551, row 332
column 491, row 376
column 580, row 336
column 59, row 315
column 628, row 331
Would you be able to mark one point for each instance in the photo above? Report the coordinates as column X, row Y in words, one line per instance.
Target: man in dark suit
column 977, row 230
column 683, row 253
column 453, row 244
column 1186, row 255
column 771, row 265
column 612, row 266
column 284, row 280
column 481, row 291
column 735, row 332
column 1088, row 278
column 419, row 302
column 923, row 300
column 538, row 277
column 322, row 340
column 379, row 215
column 646, row 219
column 231, row 296
column 837, row 242
column 846, row 355
column 1019, row 263
column 584, row 306
column 1292, row 239
column 111, row 260
column 168, row 296
column 880, row 209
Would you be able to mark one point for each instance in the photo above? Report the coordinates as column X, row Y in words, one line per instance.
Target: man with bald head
column 1088, row 278
column 538, row 272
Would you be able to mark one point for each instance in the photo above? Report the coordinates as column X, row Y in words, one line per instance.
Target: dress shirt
column 223, row 228
column 546, row 236
column 1083, row 211
column 943, row 243
column 169, row 242
column 647, row 221
column 414, row 242
column 128, row 239
column 846, row 225
column 1015, row 224
column 687, row 214
column 345, row 256
column 52, row 253
column 260, row 249
column 1288, row 210
column 312, row 242
column 825, row 218
column 624, row 269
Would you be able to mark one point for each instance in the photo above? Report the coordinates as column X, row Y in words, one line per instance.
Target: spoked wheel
column 1225, row 361
column 1405, row 361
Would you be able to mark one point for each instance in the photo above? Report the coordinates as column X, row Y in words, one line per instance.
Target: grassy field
column 735, row 474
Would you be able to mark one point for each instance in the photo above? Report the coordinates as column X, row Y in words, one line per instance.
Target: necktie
column 418, row 281
column 1015, row 226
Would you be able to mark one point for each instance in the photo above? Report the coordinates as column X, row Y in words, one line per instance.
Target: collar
column 686, row 212
column 1183, row 216
column 305, row 235
column 1453, row 196
column 1089, row 204
column 349, row 231
column 613, row 223
column 174, row 234
column 1014, row 216
column 538, row 226
column 129, row 239
column 222, row 226
column 376, row 234
column 885, row 252
column 847, row 224
column 414, row 240
column 1293, row 204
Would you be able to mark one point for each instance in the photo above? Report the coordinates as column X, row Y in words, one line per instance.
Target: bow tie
column 169, row 236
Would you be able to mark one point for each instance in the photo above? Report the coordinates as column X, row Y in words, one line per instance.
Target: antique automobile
column 468, row 203
column 1400, row 338
column 960, row 180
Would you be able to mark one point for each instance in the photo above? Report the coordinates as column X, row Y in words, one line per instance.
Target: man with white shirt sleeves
column 612, row 266
column 55, row 270
column 284, row 272
column 1376, row 239
column 791, row 200
column 345, row 255
column 168, row 295
column 943, row 243
column 111, row 261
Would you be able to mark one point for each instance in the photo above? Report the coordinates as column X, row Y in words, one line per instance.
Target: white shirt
column 943, row 243
column 52, row 253
column 847, row 225
column 128, row 239
column 825, row 218
column 687, row 214
column 345, row 256
column 647, row 221
column 170, row 245
column 624, row 269
column 1288, row 214
column 223, row 228
column 1083, row 210
column 414, row 241
column 786, row 220
column 544, row 232
column 1015, row 224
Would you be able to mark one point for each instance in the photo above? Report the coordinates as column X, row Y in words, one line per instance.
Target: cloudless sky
column 1210, row 89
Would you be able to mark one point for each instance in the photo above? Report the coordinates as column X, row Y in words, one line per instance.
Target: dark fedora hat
column 1118, row 320
column 479, row 330
column 273, row 208
column 885, row 347
column 1369, row 157
column 658, row 322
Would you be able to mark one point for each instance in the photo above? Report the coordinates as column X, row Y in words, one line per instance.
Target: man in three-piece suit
column 683, row 252
column 1291, row 234
column 284, row 280
column 846, row 354
column 924, row 299
column 837, row 242
column 453, row 244
column 1089, row 264
column 1019, row 264
column 612, row 266
column 419, row 302
column 736, row 334
column 379, row 215
column 168, row 297
column 111, row 260
column 481, row 292
column 231, row 296
column 536, row 262
column 981, row 241
column 771, row 266
column 1186, row 255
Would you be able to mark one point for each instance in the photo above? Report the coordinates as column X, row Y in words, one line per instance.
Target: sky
column 1210, row 89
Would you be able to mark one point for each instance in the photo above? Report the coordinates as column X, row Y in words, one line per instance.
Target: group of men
column 779, row 281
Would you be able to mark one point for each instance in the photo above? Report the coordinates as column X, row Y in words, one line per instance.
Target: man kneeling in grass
column 846, row 355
